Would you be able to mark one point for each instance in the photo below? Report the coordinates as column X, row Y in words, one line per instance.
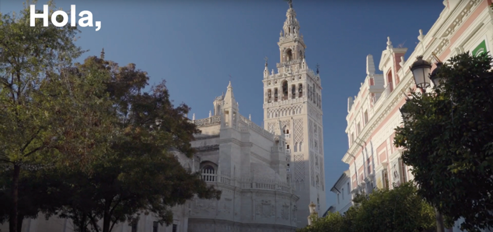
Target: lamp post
column 421, row 72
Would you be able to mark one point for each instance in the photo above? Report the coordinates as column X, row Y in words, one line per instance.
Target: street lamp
column 404, row 112
column 421, row 73
column 437, row 81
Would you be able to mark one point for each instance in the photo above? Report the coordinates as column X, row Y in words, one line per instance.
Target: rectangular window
column 155, row 226
column 403, row 171
column 134, row 226
column 175, row 228
column 348, row 189
column 390, row 82
column 385, row 179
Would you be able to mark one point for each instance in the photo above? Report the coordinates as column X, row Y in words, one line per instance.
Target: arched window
column 269, row 96
column 284, row 90
column 309, row 93
column 301, row 54
column 275, row 94
column 390, row 83
column 289, row 55
column 314, row 92
column 293, row 91
column 300, row 90
column 296, row 147
column 209, row 171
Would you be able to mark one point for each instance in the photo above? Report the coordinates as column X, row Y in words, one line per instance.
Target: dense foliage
column 140, row 173
column 45, row 116
column 400, row 209
column 85, row 141
column 448, row 140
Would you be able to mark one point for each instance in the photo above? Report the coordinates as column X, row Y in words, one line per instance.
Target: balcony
column 246, row 183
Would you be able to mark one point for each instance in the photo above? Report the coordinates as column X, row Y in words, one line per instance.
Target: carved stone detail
column 284, row 111
column 299, row 168
column 265, row 209
column 298, row 130
column 285, row 212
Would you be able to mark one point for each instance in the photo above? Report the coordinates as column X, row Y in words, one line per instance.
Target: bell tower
column 293, row 100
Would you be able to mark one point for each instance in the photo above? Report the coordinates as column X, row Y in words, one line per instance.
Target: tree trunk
column 15, row 199
column 20, row 219
column 106, row 220
column 439, row 218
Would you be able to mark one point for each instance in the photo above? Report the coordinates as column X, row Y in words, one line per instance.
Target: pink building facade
column 373, row 114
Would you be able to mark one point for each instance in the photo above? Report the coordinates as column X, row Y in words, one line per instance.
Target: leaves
column 447, row 136
column 400, row 209
column 102, row 149
column 139, row 171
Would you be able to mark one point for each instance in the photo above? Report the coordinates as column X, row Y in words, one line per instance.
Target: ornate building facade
column 293, row 100
column 248, row 164
column 374, row 162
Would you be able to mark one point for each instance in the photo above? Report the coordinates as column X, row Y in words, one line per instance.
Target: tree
column 400, row 209
column 140, row 173
column 333, row 222
column 46, row 115
column 447, row 136
column 38, row 190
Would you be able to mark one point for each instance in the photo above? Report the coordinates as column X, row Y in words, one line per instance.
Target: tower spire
column 290, row 2
column 102, row 54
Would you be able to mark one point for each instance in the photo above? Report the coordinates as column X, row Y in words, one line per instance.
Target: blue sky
column 196, row 45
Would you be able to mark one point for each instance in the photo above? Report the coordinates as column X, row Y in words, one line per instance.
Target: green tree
column 400, row 209
column 333, row 222
column 140, row 173
column 447, row 136
column 46, row 115
column 38, row 190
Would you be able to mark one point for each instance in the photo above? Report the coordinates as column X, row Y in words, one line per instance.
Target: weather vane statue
column 290, row 2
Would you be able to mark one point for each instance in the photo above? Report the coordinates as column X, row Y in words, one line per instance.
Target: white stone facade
column 293, row 100
column 342, row 191
column 248, row 164
column 374, row 162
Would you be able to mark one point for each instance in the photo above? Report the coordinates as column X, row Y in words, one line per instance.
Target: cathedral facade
column 268, row 175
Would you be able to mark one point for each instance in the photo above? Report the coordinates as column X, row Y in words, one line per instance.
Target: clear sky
column 196, row 45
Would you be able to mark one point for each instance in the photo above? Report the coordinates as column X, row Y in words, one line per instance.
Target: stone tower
column 293, row 100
